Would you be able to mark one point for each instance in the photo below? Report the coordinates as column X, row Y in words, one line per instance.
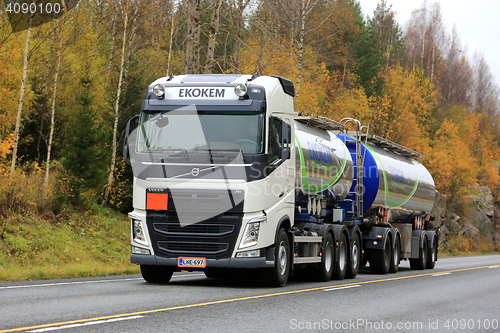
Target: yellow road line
column 236, row 300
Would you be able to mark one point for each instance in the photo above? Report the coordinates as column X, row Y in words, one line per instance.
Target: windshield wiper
column 216, row 150
column 183, row 154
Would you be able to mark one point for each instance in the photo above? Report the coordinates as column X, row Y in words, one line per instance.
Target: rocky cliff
column 475, row 231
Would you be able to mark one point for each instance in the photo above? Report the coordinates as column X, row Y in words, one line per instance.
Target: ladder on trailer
column 360, row 135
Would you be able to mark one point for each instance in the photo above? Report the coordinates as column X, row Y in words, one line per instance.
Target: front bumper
column 260, row 262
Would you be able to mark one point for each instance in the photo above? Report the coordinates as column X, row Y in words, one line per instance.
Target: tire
column 432, row 256
column 380, row 260
column 341, row 263
column 355, row 260
column 324, row 270
column 420, row 262
column 156, row 274
column 395, row 258
column 279, row 273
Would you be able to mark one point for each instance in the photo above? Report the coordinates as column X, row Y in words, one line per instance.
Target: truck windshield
column 191, row 131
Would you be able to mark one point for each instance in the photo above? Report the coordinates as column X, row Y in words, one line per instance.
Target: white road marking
column 440, row 274
column 494, row 266
column 48, row 329
column 86, row 282
column 346, row 287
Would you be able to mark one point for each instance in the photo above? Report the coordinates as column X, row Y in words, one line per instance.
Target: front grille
column 197, row 248
column 212, row 230
column 198, row 232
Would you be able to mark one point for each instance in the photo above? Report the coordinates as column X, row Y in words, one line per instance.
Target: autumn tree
column 456, row 78
column 451, row 162
column 425, row 37
column 21, row 98
column 485, row 94
column 53, row 106
column 214, row 30
column 193, row 37
column 402, row 111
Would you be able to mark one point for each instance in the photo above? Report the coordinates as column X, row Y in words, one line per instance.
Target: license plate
column 192, row 262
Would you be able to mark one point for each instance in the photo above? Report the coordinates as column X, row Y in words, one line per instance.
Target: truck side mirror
column 286, row 138
column 131, row 125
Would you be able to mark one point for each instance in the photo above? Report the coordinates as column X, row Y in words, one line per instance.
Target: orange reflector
column 157, row 201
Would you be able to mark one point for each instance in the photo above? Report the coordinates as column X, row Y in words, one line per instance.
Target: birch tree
column 21, row 97
column 53, row 107
column 306, row 6
column 238, row 20
column 117, row 109
column 485, row 92
column 172, row 30
column 214, row 29
column 193, row 37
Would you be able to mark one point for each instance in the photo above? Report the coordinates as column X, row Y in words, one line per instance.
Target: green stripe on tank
column 388, row 200
column 305, row 182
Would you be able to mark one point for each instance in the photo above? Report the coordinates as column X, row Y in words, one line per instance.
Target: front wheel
column 279, row 273
column 156, row 274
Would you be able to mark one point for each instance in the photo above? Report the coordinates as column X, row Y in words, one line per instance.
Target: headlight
column 251, row 234
column 159, row 90
column 240, row 90
column 138, row 232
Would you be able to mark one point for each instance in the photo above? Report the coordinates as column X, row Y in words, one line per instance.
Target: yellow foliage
column 6, row 145
column 451, row 162
column 403, row 109
column 352, row 103
column 282, row 60
column 11, row 60
column 23, row 190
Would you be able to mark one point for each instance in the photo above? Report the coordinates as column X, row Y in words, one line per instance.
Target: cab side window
column 274, row 139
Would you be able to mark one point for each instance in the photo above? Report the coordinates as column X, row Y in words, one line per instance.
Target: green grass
column 78, row 244
column 468, row 246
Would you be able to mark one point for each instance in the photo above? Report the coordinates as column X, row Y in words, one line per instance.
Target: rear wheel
column 421, row 261
column 355, row 259
column 341, row 264
column 156, row 274
column 325, row 268
column 395, row 256
column 380, row 260
column 431, row 262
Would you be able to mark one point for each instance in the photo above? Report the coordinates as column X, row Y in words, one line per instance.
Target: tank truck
column 227, row 176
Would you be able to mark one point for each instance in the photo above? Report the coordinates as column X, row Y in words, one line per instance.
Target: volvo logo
column 195, row 172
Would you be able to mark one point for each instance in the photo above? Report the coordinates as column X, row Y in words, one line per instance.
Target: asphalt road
column 462, row 294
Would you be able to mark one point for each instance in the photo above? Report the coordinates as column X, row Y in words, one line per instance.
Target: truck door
column 280, row 159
